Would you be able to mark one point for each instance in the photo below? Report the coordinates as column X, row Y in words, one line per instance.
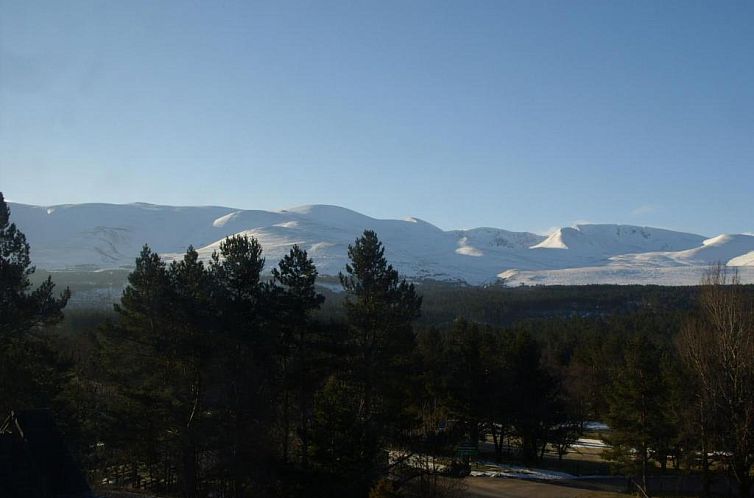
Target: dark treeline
column 443, row 302
column 502, row 305
column 212, row 379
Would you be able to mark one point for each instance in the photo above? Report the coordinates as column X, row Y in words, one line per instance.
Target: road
column 488, row 487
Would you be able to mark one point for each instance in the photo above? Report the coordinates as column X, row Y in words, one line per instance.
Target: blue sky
column 521, row 115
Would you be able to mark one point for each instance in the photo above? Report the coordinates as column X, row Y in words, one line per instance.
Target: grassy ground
column 579, row 462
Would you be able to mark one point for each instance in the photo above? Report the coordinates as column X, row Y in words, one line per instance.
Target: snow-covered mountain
column 611, row 240
column 97, row 236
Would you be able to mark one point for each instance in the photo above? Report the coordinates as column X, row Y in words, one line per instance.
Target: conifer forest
column 240, row 377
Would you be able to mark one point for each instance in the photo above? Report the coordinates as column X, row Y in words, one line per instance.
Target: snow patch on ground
column 517, row 472
column 488, row 469
column 617, row 275
column 586, row 442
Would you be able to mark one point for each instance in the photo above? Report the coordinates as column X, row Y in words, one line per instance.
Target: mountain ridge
column 101, row 235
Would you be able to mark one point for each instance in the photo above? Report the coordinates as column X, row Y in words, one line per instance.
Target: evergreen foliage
column 22, row 308
column 300, row 345
column 379, row 341
column 28, row 369
column 637, row 404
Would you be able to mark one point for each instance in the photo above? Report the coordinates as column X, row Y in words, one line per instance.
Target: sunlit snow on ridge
column 98, row 236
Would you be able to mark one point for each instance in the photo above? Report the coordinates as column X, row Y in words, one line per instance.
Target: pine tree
column 248, row 342
column 193, row 348
column 534, row 394
column 636, row 400
column 135, row 351
column 380, row 309
column 345, row 445
column 237, row 270
column 296, row 276
column 21, row 308
column 474, row 378
column 145, row 302
column 158, row 356
column 28, row 373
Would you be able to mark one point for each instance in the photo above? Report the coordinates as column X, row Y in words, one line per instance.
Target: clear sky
column 520, row 115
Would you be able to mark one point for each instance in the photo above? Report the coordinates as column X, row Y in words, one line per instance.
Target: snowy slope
column 728, row 249
column 95, row 236
column 610, row 240
column 109, row 236
column 745, row 260
column 721, row 248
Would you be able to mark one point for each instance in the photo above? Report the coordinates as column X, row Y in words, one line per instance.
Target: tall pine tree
column 295, row 277
column 637, row 414
column 159, row 357
column 380, row 309
column 248, row 340
column 27, row 370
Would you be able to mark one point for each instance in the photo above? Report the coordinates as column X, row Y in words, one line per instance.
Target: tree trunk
column 474, row 432
column 304, row 434
column 706, row 478
column 188, row 474
column 135, row 475
column 644, row 458
column 303, row 400
column 286, row 425
column 498, row 442
column 530, row 448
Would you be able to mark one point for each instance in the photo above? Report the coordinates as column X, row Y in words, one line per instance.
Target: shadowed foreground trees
column 638, row 413
column 28, row 373
column 299, row 345
column 193, row 360
column 225, row 376
column 365, row 405
column 263, row 381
